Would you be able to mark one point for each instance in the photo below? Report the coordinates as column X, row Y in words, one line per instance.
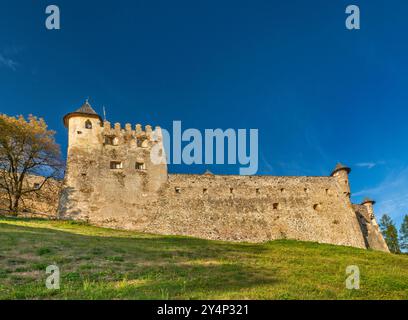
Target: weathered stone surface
column 42, row 202
column 369, row 227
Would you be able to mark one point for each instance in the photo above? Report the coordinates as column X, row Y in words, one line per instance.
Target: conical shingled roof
column 339, row 167
column 368, row 200
column 84, row 110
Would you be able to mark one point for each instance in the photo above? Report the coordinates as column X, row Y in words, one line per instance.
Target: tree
column 390, row 233
column 404, row 234
column 27, row 148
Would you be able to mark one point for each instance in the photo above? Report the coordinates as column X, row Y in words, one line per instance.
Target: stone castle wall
column 42, row 202
column 256, row 208
column 135, row 194
column 238, row 208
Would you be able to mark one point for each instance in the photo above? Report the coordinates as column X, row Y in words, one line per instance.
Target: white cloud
column 368, row 165
column 7, row 62
column 267, row 164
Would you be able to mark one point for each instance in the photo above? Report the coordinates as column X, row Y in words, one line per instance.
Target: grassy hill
column 98, row 263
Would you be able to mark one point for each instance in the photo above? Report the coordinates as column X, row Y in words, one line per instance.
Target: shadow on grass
column 144, row 267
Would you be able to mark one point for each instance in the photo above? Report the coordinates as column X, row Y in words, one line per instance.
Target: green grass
column 98, row 263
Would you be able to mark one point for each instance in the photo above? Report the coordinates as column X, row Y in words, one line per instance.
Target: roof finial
column 208, row 173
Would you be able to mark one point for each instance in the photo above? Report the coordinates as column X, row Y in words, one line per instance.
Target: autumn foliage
column 27, row 148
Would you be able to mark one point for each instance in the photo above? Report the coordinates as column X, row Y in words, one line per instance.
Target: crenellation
column 138, row 128
column 107, row 126
column 118, row 129
column 149, row 131
column 124, row 135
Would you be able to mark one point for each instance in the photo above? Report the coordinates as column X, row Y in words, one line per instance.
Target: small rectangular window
column 111, row 140
column 116, row 165
column 140, row 166
column 36, row 186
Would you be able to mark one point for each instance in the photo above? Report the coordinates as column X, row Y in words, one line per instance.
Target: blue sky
column 317, row 92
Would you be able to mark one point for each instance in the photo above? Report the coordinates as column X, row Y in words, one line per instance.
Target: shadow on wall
column 67, row 208
column 363, row 227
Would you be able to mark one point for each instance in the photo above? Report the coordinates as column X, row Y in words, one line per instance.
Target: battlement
column 129, row 131
column 87, row 130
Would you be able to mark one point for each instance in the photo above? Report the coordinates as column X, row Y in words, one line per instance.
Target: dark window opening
column 177, row 189
column 36, row 186
column 317, row 207
column 140, row 141
column 111, row 140
column 88, row 124
column 140, row 166
column 116, row 165
column 275, row 206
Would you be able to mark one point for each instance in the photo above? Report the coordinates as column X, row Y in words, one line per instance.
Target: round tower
column 84, row 135
column 369, row 204
column 84, row 126
column 341, row 173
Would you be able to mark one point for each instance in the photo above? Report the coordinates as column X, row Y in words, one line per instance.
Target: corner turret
column 83, row 125
column 369, row 204
column 341, row 172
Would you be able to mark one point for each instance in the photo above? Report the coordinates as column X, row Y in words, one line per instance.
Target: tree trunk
column 15, row 200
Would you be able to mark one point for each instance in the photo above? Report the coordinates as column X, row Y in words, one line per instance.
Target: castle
column 111, row 181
